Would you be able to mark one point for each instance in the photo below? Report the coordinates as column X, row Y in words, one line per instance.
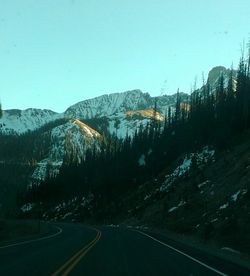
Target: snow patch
column 244, row 191
column 69, row 209
column 150, row 151
column 234, row 197
column 231, row 250
column 181, row 203
column 27, row 207
column 224, row 206
column 147, row 197
column 202, row 158
column 204, row 183
column 142, row 161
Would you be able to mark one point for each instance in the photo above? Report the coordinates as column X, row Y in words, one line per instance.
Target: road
column 74, row 249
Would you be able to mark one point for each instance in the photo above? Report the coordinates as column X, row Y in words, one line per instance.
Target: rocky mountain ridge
column 106, row 106
column 117, row 114
column 109, row 106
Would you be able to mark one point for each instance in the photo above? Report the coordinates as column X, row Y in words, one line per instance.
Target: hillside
column 41, row 140
column 210, row 201
column 15, row 121
column 117, row 115
column 187, row 173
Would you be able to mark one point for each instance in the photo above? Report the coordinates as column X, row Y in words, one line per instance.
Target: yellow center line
column 77, row 260
column 74, row 260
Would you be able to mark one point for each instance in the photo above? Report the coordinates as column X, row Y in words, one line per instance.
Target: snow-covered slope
column 68, row 141
column 112, row 104
column 121, row 125
column 124, row 112
column 20, row 121
column 107, row 105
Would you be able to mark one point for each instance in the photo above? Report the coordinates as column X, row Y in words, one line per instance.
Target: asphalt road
column 75, row 249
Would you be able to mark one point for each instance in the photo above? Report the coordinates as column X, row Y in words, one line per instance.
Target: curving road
column 74, row 249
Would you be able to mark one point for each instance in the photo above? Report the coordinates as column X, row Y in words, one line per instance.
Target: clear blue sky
column 54, row 53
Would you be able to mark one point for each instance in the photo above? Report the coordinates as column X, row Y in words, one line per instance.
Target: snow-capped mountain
column 121, row 114
column 117, row 109
column 112, row 106
column 17, row 121
column 108, row 105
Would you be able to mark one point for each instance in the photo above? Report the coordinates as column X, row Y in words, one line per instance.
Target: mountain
column 191, row 176
column 55, row 137
column 15, row 121
column 112, row 107
column 69, row 141
column 119, row 103
column 215, row 74
column 182, row 176
column 48, row 138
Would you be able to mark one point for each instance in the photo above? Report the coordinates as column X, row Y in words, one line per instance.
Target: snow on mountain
column 117, row 103
column 111, row 106
column 87, row 130
column 121, row 125
column 69, row 140
column 123, row 114
column 125, row 111
column 107, row 105
column 16, row 121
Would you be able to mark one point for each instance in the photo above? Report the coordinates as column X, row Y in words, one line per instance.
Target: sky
column 55, row 53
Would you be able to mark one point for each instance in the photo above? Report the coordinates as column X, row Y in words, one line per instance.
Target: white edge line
column 182, row 253
column 34, row 240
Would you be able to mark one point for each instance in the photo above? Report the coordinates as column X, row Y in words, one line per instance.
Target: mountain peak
column 109, row 104
column 216, row 72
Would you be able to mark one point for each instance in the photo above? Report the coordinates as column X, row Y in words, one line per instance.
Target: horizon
column 121, row 92
column 106, row 94
column 57, row 54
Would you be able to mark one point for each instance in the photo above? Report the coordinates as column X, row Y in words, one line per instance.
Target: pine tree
column 169, row 116
column 242, row 96
column 220, row 100
column 230, row 101
column 178, row 107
